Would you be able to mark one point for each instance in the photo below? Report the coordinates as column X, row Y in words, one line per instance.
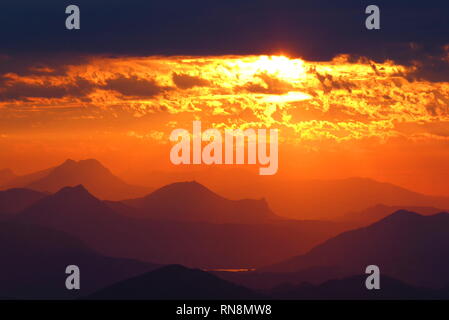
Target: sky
column 347, row 101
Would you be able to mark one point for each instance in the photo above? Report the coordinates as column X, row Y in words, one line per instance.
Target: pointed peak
column 401, row 215
column 86, row 164
column 69, row 162
column 90, row 161
column 186, row 184
column 174, row 268
column 79, row 189
column 185, row 189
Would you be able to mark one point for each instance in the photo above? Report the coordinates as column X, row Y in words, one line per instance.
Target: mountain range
column 56, row 221
column 206, row 245
column 175, row 282
column 331, row 199
column 296, row 199
column 34, row 260
column 92, row 174
column 405, row 245
column 316, row 199
column 191, row 201
column 15, row 200
column 380, row 211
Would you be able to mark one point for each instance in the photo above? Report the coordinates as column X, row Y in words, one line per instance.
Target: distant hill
column 380, row 211
column 405, row 245
column 353, row 288
column 331, row 199
column 90, row 173
column 191, row 201
column 313, row 199
column 25, row 180
column 174, row 282
column 260, row 280
column 15, row 200
column 198, row 244
column 71, row 207
column 34, row 259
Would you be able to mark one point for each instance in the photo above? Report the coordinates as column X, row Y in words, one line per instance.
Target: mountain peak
column 186, row 188
column 75, row 189
column 69, row 161
column 401, row 216
column 76, row 193
column 81, row 164
column 191, row 201
column 98, row 179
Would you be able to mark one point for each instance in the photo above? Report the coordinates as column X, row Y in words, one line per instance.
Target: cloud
column 134, row 86
column 341, row 99
column 314, row 30
column 185, row 81
column 268, row 85
column 45, row 89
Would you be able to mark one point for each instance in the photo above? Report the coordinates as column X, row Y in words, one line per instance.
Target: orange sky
column 336, row 119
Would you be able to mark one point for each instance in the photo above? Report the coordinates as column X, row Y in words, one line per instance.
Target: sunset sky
column 346, row 102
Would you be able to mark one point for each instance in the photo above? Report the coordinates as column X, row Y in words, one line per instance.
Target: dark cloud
column 22, row 90
column 184, row 81
column 134, row 87
column 131, row 87
column 411, row 30
column 329, row 82
column 25, row 90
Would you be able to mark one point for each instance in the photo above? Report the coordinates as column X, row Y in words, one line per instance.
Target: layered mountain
column 380, row 211
column 25, row 180
column 15, row 200
column 331, row 199
column 308, row 199
column 198, row 244
column 175, row 282
column 69, row 207
column 92, row 174
column 34, row 260
column 405, row 245
column 191, row 201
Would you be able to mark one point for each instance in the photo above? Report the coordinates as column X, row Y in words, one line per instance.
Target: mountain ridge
column 192, row 201
column 89, row 172
column 405, row 245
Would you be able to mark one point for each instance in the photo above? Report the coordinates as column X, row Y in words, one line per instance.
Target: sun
column 282, row 67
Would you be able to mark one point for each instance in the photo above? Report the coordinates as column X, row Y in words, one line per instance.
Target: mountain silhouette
column 34, row 260
column 264, row 281
column 353, row 288
column 197, row 244
column 405, row 245
column 24, row 180
column 380, row 211
column 70, row 206
column 6, row 175
column 331, row 199
column 174, row 282
column 90, row 173
column 15, row 200
column 191, row 201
